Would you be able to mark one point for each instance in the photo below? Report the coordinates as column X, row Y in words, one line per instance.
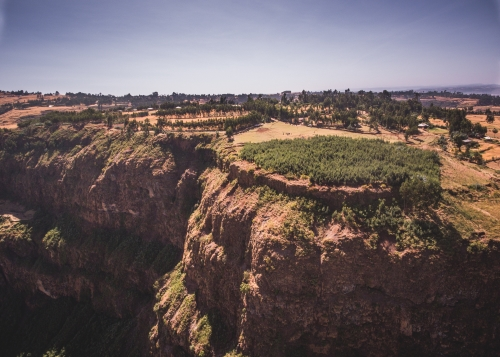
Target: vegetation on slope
column 332, row 160
column 377, row 221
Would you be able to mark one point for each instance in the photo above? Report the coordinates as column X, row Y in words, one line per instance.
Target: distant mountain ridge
column 493, row 89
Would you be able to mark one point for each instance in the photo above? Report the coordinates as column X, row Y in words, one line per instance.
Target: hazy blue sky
column 217, row 46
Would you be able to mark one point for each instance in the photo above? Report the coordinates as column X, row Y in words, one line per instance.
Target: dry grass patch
column 473, row 216
column 457, row 174
column 281, row 130
column 490, row 151
column 473, row 204
column 481, row 119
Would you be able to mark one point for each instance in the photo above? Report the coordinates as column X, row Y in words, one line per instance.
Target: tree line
column 229, row 124
column 56, row 117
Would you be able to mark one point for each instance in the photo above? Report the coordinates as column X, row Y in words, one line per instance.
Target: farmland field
column 280, row 130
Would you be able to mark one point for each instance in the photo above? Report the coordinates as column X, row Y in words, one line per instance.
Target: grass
column 201, row 337
column 176, row 288
column 234, row 353
column 343, row 161
column 471, row 200
column 438, row 131
column 296, row 219
column 469, row 216
column 179, row 312
column 186, row 311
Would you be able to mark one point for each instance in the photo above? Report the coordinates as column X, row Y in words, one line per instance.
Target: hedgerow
column 332, row 160
column 236, row 124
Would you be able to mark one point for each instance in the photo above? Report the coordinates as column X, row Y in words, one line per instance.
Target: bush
column 477, row 247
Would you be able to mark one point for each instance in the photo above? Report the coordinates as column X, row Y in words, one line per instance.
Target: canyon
column 170, row 245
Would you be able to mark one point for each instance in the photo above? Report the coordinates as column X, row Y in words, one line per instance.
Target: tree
column 457, row 122
column 386, row 95
column 160, row 124
column 442, row 142
column 327, row 103
column 145, row 126
column 284, row 99
column 490, row 118
column 476, row 157
column 420, row 192
column 229, row 132
column 458, row 139
column 133, row 125
column 411, row 131
column 495, row 131
column 109, row 121
column 478, row 130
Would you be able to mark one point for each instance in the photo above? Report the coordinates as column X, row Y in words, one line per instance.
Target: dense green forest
column 344, row 161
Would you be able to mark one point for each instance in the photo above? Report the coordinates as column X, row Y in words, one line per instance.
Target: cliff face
column 147, row 189
column 154, row 240
column 327, row 291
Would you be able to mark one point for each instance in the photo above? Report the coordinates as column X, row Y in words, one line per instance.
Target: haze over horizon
column 240, row 47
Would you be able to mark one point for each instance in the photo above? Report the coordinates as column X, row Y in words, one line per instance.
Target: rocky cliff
column 161, row 246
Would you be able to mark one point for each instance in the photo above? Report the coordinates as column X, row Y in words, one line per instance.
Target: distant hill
column 493, row 89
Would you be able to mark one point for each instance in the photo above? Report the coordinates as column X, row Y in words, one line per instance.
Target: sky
column 253, row 46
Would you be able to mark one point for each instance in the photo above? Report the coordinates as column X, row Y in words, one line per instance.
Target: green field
column 332, row 160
